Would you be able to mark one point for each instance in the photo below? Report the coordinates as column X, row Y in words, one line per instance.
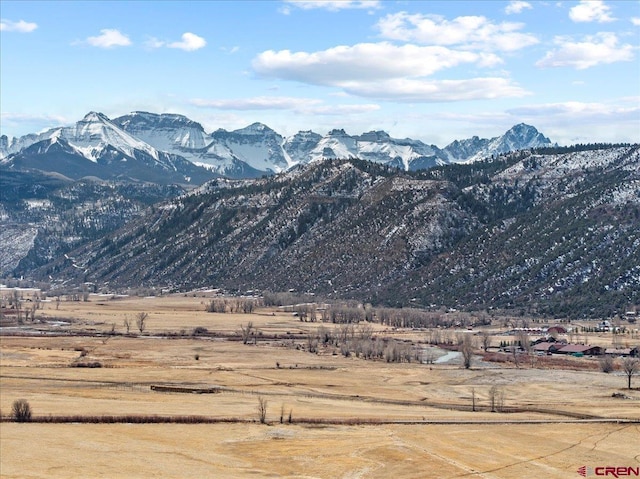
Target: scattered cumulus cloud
column 20, row 26
column 389, row 72
column 602, row 48
column 331, row 5
column 364, row 62
column 190, row 42
column 469, row 32
column 517, row 6
column 635, row 21
column 109, row 38
column 591, row 11
column 230, row 50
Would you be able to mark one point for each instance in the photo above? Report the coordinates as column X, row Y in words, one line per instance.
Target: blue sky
column 434, row 71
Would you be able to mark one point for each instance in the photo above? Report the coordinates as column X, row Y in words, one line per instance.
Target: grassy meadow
column 326, row 415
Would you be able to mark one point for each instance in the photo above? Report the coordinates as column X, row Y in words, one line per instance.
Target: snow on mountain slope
column 257, row 145
column 95, row 131
column 89, row 136
column 257, row 149
column 166, row 132
column 337, row 144
column 518, row 137
column 298, row 146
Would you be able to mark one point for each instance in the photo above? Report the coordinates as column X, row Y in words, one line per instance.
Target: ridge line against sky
column 433, row 71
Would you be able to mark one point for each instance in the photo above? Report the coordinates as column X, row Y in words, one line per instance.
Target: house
column 581, row 349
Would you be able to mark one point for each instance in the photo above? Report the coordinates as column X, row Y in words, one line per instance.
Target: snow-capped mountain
column 166, row 139
column 257, row 145
column 166, row 132
column 518, row 137
column 96, row 146
column 300, row 145
column 376, row 146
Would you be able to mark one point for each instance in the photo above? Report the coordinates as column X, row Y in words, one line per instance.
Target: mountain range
column 170, row 148
column 549, row 232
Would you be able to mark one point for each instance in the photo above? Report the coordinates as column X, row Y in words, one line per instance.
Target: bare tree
column 262, row 409
column 606, row 364
column 127, row 324
column 141, row 321
column 630, row 366
column 486, row 340
column 496, row 398
column 21, row 410
column 473, row 399
column 466, row 348
column 246, row 332
column 312, row 343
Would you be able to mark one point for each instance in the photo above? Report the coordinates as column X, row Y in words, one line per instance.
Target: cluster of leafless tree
column 23, row 308
column 359, row 341
column 233, row 305
column 140, row 321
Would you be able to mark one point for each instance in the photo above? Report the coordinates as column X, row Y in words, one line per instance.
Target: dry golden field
column 350, row 417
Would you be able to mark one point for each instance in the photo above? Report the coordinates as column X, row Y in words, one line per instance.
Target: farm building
column 584, row 349
column 557, row 330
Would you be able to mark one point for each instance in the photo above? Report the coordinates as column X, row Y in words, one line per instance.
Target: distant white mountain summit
column 166, row 139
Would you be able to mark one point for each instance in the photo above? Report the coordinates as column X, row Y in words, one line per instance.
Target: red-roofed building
column 586, row 349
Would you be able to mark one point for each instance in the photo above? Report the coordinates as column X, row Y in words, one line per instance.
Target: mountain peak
column 374, row 136
column 94, row 116
column 254, row 128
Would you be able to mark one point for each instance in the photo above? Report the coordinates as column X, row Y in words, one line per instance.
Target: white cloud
column 190, row 42
column 635, row 21
column 308, row 106
column 109, row 38
column 389, row 72
column 20, row 26
column 423, row 91
column 23, row 123
column 591, row 11
column 340, row 110
column 331, row 5
column 470, row 32
column 516, row 6
column 579, row 109
column 599, row 49
column 153, row 42
column 364, row 62
column 256, row 103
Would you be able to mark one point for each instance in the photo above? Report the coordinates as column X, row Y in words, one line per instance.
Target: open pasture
column 327, row 415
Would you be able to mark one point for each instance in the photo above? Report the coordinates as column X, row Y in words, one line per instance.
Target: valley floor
column 327, row 416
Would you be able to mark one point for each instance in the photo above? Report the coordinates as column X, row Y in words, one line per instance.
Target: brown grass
column 351, row 417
